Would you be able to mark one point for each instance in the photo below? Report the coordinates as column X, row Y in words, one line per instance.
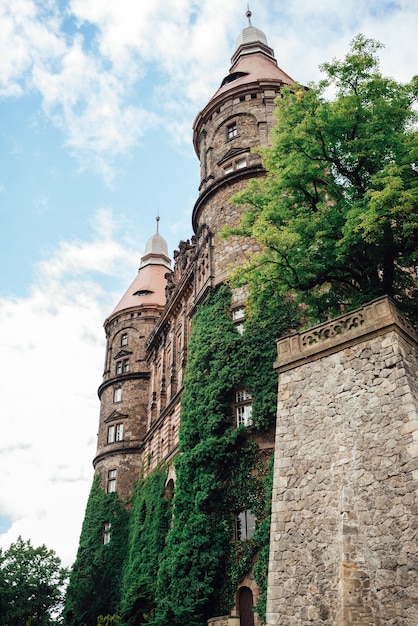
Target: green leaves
column 31, row 585
column 95, row 579
column 336, row 216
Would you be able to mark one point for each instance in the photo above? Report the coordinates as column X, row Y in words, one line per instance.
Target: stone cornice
column 375, row 318
column 122, row 449
column 120, row 378
column 248, row 172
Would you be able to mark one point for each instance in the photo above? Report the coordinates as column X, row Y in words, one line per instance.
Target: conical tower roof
column 148, row 287
column 252, row 61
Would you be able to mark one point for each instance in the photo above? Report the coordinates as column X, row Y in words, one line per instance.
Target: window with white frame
column 111, row 481
column 238, row 316
column 244, row 525
column 231, row 131
column 115, row 433
column 117, row 394
column 106, row 533
column 243, row 407
column 122, row 367
column 124, row 339
column 236, row 164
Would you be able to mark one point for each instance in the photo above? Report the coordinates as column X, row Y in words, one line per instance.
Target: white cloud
column 52, row 347
column 133, row 66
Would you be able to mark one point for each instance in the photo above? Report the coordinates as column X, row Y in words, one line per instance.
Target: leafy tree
column 337, row 215
column 31, row 585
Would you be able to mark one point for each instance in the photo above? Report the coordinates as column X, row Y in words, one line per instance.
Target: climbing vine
column 178, row 562
column 149, row 523
column 218, row 471
column 95, row 579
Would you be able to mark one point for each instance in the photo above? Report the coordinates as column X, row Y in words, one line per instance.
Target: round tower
column 124, row 392
column 238, row 118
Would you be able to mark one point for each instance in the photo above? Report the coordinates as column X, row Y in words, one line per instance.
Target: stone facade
column 345, row 514
column 148, row 332
column 343, row 534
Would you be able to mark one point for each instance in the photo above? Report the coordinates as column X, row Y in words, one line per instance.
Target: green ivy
column 149, row 523
column 219, row 470
column 177, row 563
column 95, row 580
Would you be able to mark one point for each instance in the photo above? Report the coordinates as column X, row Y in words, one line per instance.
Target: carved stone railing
column 371, row 319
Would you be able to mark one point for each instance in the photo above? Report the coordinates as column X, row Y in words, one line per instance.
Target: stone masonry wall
column 344, row 526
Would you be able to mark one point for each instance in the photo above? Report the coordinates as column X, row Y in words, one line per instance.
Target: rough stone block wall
column 344, row 542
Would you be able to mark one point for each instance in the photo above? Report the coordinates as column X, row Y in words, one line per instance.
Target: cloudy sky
column 97, row 102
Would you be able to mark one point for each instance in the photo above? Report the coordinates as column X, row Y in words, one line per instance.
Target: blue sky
column 97, row 102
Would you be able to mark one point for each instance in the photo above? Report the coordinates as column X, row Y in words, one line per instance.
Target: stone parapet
column 373, row 318
column 344, row 526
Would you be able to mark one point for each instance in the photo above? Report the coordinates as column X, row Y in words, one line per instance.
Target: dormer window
column 231, row 131
column 142, row 292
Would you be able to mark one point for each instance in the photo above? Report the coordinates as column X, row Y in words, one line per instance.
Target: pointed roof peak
column 251, row 40
column 156, row 250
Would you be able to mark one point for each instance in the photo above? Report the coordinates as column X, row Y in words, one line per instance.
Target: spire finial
column 157, row 219
column 249, row 14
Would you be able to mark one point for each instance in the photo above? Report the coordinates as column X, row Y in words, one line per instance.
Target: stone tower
column 238, row 118
column 124, row 392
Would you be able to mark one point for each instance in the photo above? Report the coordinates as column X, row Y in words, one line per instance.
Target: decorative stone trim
column 225, row 620
column 373, row 318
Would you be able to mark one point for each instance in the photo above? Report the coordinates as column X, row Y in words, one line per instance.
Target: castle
column 324, row 568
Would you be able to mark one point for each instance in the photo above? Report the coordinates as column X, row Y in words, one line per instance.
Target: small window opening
column 106, row 533
column 244, row 525
column 232, row 131
column 111, row 481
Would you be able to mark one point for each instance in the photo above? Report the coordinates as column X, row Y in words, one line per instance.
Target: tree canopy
column 31, row 585
column 336, row 215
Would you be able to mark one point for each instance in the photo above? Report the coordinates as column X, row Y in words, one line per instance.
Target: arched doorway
column 245, row 607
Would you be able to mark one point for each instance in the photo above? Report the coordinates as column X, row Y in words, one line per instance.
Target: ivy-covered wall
column 178, row 562
column 95, row 581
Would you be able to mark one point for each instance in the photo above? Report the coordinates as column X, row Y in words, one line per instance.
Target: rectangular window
column 124, row 339
column 111, row 481
column 119, row 367
column 232, row 131
column 244, row 413
column 243, row 395
column 241, row 164
column 240, row 328
column 106, row 533
column 119, row 432
column 228, row 169
column 125, row 365
column 238, row 314
column 244, row 525
column 111, row 434
column 117, row 395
